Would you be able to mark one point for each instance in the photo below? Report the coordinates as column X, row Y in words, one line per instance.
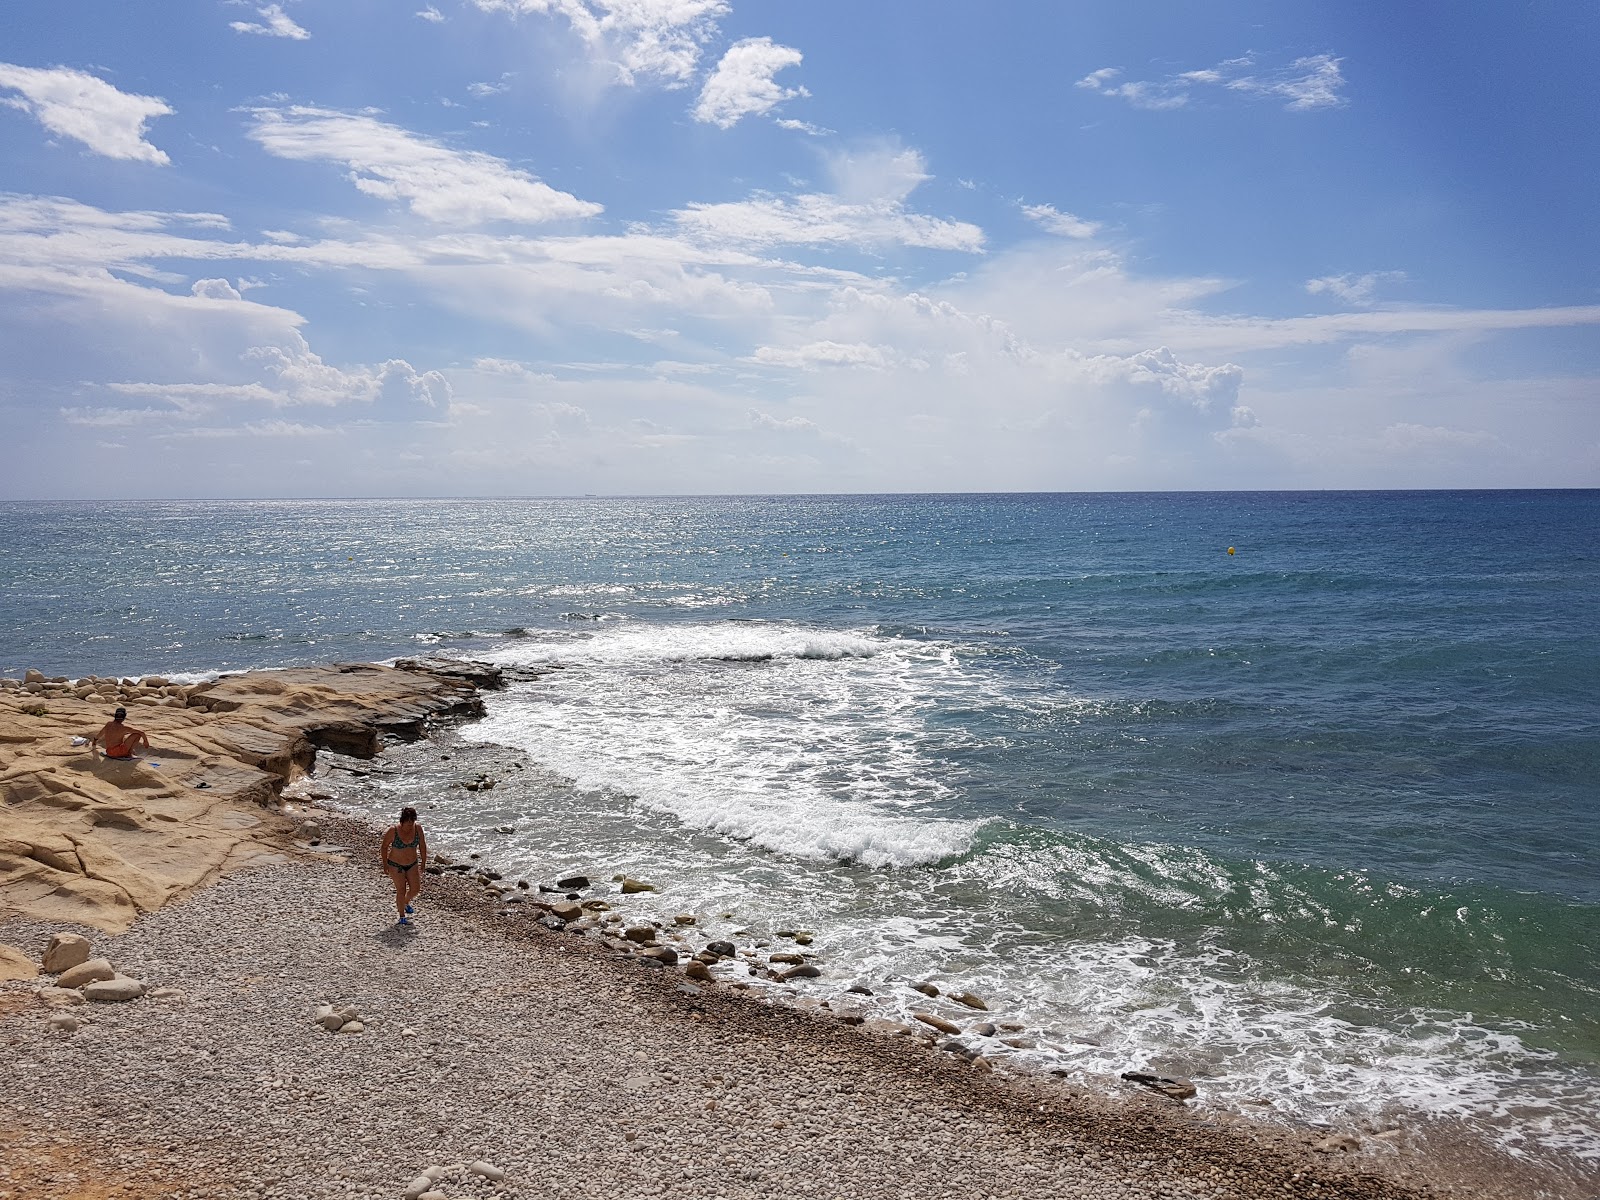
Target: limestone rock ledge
column 97, row 841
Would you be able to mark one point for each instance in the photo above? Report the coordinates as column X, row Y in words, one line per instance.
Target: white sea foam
column 805, row 742
column 826, row 745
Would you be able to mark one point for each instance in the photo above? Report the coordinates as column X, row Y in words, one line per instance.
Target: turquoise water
column 1315, row 821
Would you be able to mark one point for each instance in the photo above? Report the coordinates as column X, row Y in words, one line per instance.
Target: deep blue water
column 1331, row 798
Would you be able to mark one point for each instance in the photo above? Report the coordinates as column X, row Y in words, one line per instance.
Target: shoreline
column 597, row 1001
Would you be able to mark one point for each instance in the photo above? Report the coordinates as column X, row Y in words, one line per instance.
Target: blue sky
column 536, row 247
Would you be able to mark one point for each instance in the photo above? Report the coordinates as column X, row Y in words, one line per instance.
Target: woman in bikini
column 404, row 854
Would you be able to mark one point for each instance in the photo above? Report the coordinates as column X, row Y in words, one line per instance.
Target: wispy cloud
column 658, row 39
column 1312, row 82
column 434, row 181
column 1354, row 289
column 867, row 208
column 1062, row 223
column 274, row 23
column 431, row 14
column 743, row 85
column 87, row 109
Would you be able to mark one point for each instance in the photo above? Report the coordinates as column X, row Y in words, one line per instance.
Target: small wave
column 723, row 641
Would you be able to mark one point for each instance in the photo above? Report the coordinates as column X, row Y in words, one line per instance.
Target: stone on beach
column 937, row 1022
column 116, row 989
column 92, row 971
column 65, row 950
column 631, row 886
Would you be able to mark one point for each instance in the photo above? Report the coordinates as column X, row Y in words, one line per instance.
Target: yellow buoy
column 1230, row 549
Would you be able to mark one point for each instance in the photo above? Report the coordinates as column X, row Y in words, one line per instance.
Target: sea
column 1293, row 794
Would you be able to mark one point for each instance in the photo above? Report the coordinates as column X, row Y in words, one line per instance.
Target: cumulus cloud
column 274, row 23
column 1354, row 289
column 1311, row 82
column 215, row 289
column 1202, row 387
column 302, row 377
column 656, row 39
column 1062, row 223
column 743, row 84
column 87, row 109
column 434, row 181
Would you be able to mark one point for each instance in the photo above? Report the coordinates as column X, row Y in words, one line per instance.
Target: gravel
column 488, row 1040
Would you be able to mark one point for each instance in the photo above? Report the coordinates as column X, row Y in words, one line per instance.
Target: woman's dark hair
column 407, row 814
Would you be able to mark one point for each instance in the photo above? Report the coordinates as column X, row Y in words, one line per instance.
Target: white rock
column 118, row 987
column 60, row 997
column 65, row 950
column 488, row 1170
column 418, row 1186
column 352, row 1027
column 329, row 1018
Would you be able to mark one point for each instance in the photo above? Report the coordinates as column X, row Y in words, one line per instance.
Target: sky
column 564, row 247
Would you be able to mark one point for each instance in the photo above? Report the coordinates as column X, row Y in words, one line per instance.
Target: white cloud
column 659, row 39
column 215, row 289
column 434, row 181
column 431, row 14
column 274, row 23
column 805, row 127
column 743, row 85
column 824, row 354
column 80, row 106
column 1062, row 223
column 302, row 377
column 1307, row 83
column 866, row 209
column 1353, row 289
column 763, row 420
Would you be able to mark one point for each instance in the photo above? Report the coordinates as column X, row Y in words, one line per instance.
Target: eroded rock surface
column 96, row 841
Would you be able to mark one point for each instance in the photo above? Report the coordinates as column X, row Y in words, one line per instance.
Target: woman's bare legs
column 398, row 878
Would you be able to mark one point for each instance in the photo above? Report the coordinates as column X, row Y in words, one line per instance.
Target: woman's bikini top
column 396, row 844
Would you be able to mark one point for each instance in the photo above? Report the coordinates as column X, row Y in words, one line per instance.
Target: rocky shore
column 274, row 1035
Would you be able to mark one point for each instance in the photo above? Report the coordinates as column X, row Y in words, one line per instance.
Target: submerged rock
column 1173, row 1089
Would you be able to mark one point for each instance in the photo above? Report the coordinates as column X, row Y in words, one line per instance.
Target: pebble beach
column 276, row 1035
column 538, row 1055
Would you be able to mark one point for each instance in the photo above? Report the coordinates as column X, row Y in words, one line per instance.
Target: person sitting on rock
column 120, row 740
column 403, row 850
